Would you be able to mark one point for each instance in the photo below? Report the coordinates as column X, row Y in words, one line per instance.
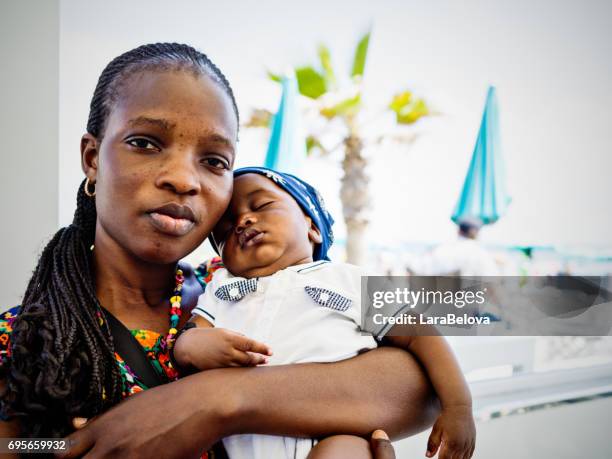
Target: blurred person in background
column 464, row 256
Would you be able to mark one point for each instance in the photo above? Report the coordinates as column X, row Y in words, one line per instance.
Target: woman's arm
column 384, row 388
column 8, row 429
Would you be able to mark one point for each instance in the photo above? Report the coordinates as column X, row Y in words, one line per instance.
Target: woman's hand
column 167, row 421
column 209, row 348
column 455, row 429
column 381, row 445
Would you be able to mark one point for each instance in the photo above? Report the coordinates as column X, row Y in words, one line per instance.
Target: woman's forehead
column 175, row 99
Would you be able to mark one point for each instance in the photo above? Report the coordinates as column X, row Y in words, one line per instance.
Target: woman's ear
column 89, row 156
column 313, row 232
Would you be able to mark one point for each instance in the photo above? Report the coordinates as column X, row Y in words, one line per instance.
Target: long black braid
column 62, row 361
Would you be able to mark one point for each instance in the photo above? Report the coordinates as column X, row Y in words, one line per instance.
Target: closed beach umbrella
column 484, row 196
column 287, row 147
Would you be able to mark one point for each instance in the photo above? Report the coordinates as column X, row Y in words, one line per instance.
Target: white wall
column 563, row 432
column 29, row 52
column 548, row 59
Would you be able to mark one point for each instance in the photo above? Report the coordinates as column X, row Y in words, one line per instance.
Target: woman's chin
column 162, row 253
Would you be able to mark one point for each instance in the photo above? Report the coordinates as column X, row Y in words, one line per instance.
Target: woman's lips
column 170, row 225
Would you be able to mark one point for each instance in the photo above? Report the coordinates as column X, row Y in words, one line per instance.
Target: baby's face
column 263, row 230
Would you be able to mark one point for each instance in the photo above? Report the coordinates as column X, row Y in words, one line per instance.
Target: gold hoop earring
column 86, row 188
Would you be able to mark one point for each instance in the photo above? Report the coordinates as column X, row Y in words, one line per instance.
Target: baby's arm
column 205, row 347
column 454, row 427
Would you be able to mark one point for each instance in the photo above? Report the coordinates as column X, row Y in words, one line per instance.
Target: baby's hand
column 455, row 429
column 208, row 348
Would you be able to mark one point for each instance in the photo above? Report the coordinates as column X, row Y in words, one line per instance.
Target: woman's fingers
column 79, row 443
column 79, row 423
column 381, row 445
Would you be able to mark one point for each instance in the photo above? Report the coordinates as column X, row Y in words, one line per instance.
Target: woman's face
column 162, row 171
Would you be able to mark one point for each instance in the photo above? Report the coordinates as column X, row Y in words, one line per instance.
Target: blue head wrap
column 308, row 199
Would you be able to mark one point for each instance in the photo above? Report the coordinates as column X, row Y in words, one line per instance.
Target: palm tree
column 333, row 101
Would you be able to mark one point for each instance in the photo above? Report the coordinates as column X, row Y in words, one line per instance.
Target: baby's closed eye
column 262, row 205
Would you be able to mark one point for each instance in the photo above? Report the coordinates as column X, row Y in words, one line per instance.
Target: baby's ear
column 313, row 232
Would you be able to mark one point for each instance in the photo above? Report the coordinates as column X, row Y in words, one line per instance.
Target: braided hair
column 62, row 361
column 159, row 56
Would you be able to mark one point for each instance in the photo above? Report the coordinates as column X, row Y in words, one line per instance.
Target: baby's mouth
column 249, row 237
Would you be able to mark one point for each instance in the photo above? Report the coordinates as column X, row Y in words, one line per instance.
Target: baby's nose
column 243, row 223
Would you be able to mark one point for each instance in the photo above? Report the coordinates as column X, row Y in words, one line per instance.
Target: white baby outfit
column 304, row 313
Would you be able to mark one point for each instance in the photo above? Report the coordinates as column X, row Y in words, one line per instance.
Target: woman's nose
column 179, row 174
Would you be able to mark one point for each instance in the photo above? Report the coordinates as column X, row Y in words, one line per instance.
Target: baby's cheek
column 230, row 257
column 267, row 253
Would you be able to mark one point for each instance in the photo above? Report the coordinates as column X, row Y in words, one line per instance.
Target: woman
column 157, row 155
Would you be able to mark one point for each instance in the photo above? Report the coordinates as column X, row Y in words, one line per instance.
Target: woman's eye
column 217, row 163
column 142, row 143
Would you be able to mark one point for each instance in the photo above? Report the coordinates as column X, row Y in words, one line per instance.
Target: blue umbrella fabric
column 287, row 147
column 484, row 196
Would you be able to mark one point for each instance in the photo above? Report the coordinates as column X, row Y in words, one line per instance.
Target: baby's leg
column 341, row 447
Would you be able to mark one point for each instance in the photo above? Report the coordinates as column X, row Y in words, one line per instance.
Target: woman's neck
column 124, row 283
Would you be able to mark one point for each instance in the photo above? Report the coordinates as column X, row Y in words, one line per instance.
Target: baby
column 279, row 288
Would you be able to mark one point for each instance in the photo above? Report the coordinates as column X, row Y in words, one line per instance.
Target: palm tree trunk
column 355, row 199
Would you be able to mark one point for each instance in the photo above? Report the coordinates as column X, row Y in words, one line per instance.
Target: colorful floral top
column 149, row 340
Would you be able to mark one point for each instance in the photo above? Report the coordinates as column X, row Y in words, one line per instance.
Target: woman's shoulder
column 7, row 318
column 6, row 328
